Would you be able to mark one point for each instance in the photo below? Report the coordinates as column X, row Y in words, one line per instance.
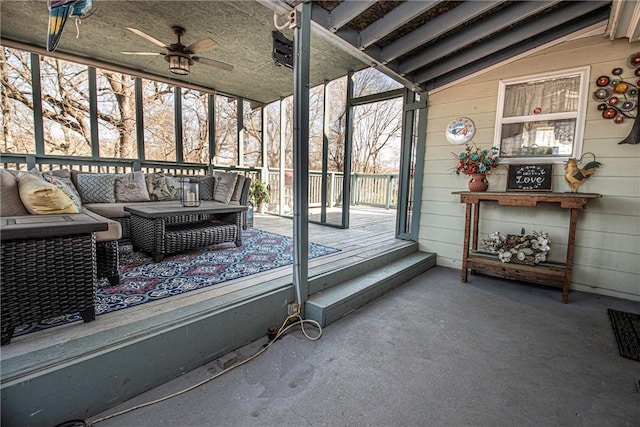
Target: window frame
column 580, row 115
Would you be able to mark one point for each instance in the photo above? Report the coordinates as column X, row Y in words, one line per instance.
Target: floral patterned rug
column 142, row 280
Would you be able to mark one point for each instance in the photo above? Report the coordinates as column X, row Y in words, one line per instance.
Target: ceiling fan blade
column 213, row 63
column 142, row 53
column 202, row 46
column 148, row 37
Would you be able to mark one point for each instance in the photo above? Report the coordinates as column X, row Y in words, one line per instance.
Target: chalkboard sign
column 530, row 177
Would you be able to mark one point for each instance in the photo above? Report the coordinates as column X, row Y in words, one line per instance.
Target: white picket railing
column 377, row 190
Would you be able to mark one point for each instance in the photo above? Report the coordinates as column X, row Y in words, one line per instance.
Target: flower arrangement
column 474, row 160
column 523, row 248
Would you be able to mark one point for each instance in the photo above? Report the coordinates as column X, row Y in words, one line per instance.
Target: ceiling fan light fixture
column 179, row 64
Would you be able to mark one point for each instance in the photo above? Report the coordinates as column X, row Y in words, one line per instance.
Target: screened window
column 252, row 134
column 195, row 126
column 17, row 102
column 116, row 114
column 370, row 81
column 542, row 116
column 272, row 116
column 159, row 121
column 226, row 120
column 65, row 108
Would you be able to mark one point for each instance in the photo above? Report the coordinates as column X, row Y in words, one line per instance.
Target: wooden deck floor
column 371, row 231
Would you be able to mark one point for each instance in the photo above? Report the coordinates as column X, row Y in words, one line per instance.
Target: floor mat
column 626, row 328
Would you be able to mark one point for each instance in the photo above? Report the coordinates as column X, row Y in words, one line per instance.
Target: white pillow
column 225, row 184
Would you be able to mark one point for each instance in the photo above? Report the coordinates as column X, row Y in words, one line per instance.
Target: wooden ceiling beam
column 393, row 20
column 532, row 33
column 436, row 27
column 495, row 23
column 346, row 12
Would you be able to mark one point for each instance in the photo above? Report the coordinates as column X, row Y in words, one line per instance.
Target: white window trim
column 584, row 73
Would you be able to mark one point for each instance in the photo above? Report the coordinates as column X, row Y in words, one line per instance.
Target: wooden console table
column 554, row 274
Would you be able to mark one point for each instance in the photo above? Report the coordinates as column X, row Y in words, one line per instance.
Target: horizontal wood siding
column 607, row 254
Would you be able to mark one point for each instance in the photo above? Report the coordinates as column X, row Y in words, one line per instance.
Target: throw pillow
column 71, row 193
column 157, row 186
column 175, row 188
column 225, row 184
column 207, row 184
column 96, row 187
column 237, row 192
column 131, row 187
column 65, row 176
column 41, row 197
column 10, row 203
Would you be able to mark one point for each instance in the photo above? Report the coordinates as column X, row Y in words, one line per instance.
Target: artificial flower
column 522, row 247
column 474, row 160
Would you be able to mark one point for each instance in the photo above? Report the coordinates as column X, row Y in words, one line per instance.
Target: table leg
column 476, row 221
column 465, row 251
column 569, row 261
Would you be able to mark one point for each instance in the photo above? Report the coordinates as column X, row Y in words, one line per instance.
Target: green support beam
column 302, row 43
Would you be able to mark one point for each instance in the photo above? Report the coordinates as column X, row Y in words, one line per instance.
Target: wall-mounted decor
column 460, row 131
column 619, row 98
column 575, row 175
column 538, row 177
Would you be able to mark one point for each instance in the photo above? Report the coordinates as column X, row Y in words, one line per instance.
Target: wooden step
column 360, row 263
column 337, row 301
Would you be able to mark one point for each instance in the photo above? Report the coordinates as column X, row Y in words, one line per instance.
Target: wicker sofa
column 225, row 187
column 99, row 198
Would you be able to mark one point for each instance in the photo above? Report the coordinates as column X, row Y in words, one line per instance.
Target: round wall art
column 460, row 131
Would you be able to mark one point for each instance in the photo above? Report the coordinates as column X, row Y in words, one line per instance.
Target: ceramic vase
column 478, row 182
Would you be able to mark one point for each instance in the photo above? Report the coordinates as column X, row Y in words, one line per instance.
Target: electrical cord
column 283, row 330
column 275, row 23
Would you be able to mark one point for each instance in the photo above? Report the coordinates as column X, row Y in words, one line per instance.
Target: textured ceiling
column 242, row 29
column 422, row 43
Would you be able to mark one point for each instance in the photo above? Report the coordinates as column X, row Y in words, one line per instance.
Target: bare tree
column 195, row 122
column 119, row 90
column 376, row 127
column 252, row 122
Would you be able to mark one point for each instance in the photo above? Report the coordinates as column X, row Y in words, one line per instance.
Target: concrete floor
column 433, row 352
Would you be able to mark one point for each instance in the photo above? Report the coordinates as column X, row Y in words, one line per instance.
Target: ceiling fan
column 179, row 56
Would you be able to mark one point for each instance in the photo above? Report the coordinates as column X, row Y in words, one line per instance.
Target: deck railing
column 85, row 164
column 377, row 190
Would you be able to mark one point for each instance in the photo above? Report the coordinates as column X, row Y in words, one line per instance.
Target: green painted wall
column 608, row 237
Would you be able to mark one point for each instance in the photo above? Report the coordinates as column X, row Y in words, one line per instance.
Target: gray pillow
column 225, row 184
column 131, row 187
column 237, row 192
column 97, row 187
column 206, row 185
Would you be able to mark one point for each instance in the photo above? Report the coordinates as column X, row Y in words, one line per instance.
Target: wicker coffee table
column 161, row 228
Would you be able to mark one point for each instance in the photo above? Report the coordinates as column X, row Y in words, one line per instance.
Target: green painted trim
column 36, row 86
column 177, row 115
column 139, row 119
column 93, row 112
column 301, row 66
column 240, row 131
column 211, row 104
